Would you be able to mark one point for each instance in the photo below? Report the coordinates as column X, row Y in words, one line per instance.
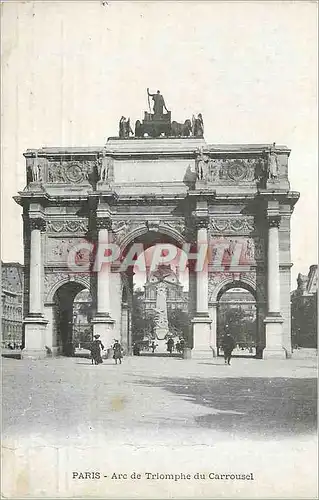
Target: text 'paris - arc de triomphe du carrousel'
column 159, row 184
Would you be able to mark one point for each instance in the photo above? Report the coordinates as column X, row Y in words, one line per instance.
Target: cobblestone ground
column 164, row 415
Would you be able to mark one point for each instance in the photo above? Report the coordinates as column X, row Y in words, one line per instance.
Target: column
column 213, row 316
column 103, row 324
column 273, row 277
column 103, row 277
column 124, row 327
column 201, row 321
column 273, row 321
column 35, row 324
column 35, row 305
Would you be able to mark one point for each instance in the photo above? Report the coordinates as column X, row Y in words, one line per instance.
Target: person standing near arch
column 228, row 345
column 96, row 347
column 118, row 352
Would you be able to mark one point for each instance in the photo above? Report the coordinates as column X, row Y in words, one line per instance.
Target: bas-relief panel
column 234, row 251
column 73, row 172
column 131, row 171
column 58, row 249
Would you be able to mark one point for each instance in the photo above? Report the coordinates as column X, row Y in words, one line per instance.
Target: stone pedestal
column 274, row 348
column 161, row 341
column 35, row 333
column 202, row 337
column 103, row 325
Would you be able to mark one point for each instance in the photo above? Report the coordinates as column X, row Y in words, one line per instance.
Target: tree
column 240, row 326
column 142, row 323
column 304, row 320
column 179, row 322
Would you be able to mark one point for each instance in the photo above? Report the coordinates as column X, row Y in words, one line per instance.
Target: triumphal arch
column 159, row 184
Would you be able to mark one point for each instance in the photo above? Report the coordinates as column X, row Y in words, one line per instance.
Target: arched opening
column 158, row 289
column 237, row 313
column 73, row 311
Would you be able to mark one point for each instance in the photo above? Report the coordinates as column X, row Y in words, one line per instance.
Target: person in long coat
column 96, row 347
column 228, row 345
column 170, row 345
column 117, row 349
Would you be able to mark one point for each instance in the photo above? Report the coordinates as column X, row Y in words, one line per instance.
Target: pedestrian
column 153, row 346
column 182, row 344
column 136, row 349
column 96, row 347
column 170, row 345
column 228, row 345
column 117, row 349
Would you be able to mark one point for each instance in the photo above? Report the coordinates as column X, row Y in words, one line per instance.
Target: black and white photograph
column 159, row 186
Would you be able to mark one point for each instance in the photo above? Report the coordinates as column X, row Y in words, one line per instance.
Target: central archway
column 237, row 313
column 140, row 286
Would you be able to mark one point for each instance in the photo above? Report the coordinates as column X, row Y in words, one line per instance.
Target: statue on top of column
column 35, row 169
column 105, row 163
column 273, row 170
column 202, row 166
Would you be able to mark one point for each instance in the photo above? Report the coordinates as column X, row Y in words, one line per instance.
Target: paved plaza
column 160, row 415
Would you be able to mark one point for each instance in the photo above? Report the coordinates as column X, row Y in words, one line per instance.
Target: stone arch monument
column 154, row 188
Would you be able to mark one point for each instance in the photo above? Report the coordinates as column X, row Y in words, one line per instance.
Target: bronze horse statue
column 139, row 132
column 181, row 129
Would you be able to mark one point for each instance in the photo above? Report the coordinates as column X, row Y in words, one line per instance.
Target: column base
column 279, row 353
column 274, row 348
column 34, row 337
column 103, row 325
column 34, row 354
column 202, row 347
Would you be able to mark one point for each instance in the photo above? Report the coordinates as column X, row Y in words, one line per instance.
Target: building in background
column 176, row 297
column 304, row 309
column 11, row 299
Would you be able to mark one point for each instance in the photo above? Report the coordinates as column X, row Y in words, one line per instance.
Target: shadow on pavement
column 256, row 408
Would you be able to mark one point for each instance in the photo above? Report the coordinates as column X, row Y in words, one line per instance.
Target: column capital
column 37, row 223
column 202, row 222
column 104, row 223
column 274, row 220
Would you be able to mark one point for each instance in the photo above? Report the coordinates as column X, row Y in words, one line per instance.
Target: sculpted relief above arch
column 53, row 281
column 121, row 229
column 216, row 281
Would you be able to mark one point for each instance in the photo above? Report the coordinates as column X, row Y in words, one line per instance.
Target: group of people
column 228, row 345
column 97, row 347
column 12, row 345
column 179, row 346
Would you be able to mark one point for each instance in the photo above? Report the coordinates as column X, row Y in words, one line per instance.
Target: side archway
column 54, row 283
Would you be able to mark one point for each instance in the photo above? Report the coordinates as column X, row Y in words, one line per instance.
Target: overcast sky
column 71, row 69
